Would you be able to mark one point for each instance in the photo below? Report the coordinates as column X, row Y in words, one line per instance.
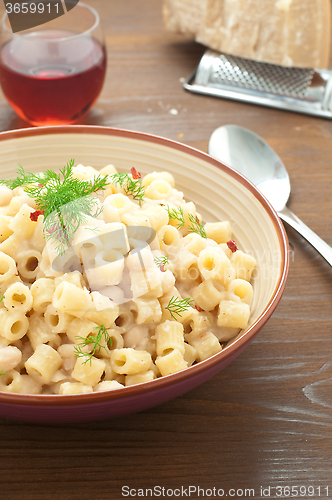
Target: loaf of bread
column 284, row 32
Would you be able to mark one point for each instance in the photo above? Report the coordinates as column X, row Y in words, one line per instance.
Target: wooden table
column 266, row 420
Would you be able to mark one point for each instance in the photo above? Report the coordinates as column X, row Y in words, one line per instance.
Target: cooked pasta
column 140, row 289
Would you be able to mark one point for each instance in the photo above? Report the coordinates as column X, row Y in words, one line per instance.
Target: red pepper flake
column 162, row 268
column 197, row 220
column 136, row 175
column 198, row 309
column 34, row 215
column 232, row 245
column 41, row 185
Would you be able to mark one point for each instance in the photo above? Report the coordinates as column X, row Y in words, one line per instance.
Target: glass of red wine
column 53, row 74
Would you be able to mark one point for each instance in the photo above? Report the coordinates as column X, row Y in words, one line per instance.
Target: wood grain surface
column 266, row 420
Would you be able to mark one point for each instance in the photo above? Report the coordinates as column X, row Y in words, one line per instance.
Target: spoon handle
column 320, row 245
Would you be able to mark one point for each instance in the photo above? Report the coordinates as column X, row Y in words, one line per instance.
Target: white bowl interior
column 217, row 194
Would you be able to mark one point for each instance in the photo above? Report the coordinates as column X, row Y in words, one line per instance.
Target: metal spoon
column 250, row 155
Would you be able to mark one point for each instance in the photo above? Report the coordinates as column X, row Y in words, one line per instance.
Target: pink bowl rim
column 194, row 370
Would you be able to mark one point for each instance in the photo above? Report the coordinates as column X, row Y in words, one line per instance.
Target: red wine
column 51, row 81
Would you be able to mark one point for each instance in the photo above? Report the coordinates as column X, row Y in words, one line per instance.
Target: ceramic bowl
column 219, row 193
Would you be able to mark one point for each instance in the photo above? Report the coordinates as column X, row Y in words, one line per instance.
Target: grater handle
column 320, row 245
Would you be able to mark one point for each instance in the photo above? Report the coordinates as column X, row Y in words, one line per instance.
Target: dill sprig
column 64, row 200
column 2, row 297
column 2, row 373
column 130, row 186
column 177, row 306
column 22, row 179
column 176, row 214
column 95, row 341
column 196, row 226
column 161, row 261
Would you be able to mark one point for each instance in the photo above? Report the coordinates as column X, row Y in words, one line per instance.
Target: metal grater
column 295, row 89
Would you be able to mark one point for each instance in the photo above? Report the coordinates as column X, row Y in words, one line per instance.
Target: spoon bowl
column 250, row 155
